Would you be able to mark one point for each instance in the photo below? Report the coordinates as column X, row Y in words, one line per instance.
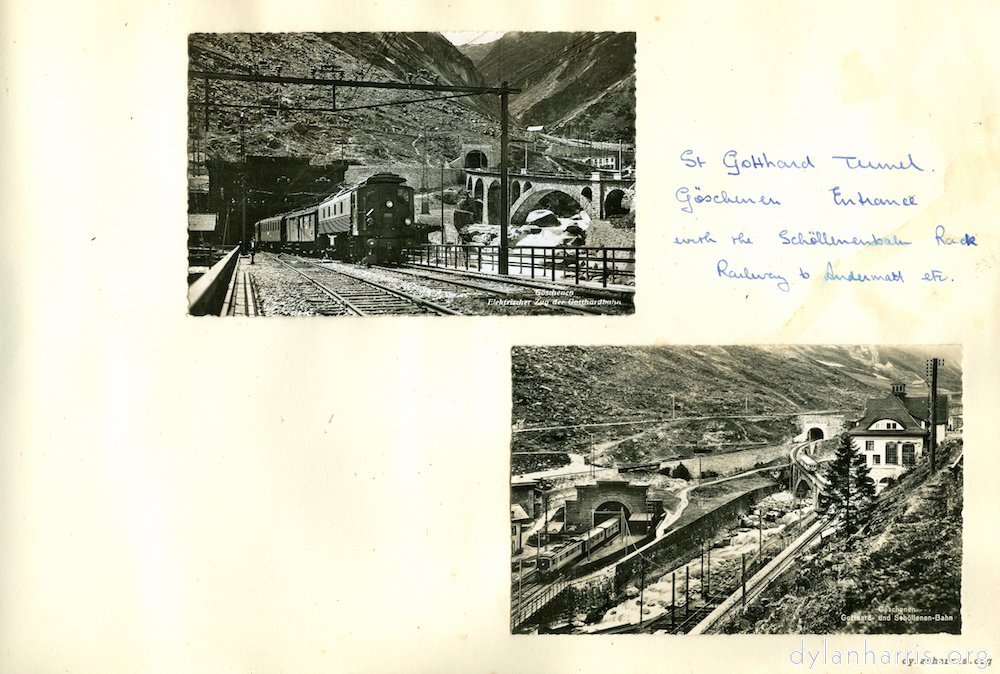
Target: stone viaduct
column 601, row 194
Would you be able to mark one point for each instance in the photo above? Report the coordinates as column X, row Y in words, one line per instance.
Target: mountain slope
column 573, row 386
column 568, row 78
column 905, row 566
column 362, row 129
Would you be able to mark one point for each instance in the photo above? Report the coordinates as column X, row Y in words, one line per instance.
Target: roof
column 517, row 514
column 920, row 408
column 893, row 409
column 202, row 222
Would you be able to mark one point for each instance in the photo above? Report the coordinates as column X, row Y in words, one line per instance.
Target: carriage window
column 403, row 195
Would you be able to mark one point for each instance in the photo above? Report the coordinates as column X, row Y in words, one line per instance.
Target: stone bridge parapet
column 601, row 194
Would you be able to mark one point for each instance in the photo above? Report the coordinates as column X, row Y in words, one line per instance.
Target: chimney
column 899, row 390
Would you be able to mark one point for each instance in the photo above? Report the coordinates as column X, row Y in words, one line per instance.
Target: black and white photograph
column 736, row 490
column 745, row 421
column 488, row 173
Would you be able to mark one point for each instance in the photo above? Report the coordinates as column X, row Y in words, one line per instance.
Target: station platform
column 240, row 298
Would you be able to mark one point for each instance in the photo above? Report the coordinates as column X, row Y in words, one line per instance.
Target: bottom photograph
column 736, row 490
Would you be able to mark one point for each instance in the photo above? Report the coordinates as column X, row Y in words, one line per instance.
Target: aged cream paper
column 289, row 495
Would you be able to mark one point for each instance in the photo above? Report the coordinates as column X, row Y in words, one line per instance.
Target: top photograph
column 349, row 174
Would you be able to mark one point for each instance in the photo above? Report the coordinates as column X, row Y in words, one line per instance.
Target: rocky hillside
column 575, row 84
column 905, row 567
column 586, row 80
column 363, row 129
column 573, row 386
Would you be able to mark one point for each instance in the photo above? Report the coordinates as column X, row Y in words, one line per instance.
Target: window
column 876, row 459
column 890, row 453
column 869, row 445
column 909, row 454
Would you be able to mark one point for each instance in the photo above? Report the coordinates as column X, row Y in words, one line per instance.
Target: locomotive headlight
column 371, row 243
column 388, row 204
column 406, row 221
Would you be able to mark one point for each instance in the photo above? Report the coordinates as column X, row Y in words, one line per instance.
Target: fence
column 578, row 264
column 525, row 610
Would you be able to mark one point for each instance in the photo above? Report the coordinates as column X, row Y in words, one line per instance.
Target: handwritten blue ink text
column 813, row 238
column 869, row 201
column 691, row 163
column 722, row 269
column 684, row 196
column 707, row 238
column 831, row 276
column 855, row 163
column 731, row 161
column 943, row 239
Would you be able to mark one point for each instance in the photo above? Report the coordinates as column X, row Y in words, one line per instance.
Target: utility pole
column 673, row 600
column 642, row 585
column 503, row 91
column 743, row 562
column 687, row 590
column 709, row 570
column 760, row 539
column 932, row 367
column 504, row 180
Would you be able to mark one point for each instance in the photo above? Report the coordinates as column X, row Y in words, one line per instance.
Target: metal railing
column 207, row 295
column 615, row 266
column 521, row 612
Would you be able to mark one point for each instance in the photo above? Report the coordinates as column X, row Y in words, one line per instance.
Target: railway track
column 541, row 285
column 491, row 286
column 756, row 585
column 336, row 292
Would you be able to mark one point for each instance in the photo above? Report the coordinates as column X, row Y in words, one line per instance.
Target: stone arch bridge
column 601, row 194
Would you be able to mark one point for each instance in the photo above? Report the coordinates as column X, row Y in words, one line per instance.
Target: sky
column 472, row 37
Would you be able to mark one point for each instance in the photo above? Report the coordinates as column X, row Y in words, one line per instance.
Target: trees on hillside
column 851, row 489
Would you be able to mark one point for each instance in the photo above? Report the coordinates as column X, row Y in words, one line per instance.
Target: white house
column 890, row 436
column 518, row 518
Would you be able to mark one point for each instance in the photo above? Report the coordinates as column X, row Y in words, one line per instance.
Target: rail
column 765, row 573
column 523, row 611
column 207, row 295
column 615, row 266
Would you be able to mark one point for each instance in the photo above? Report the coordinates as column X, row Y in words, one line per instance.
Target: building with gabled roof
column 518, row 518
column 895, row 432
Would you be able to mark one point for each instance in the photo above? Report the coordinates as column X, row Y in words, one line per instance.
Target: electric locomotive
column 550, row 564
column 371, row 222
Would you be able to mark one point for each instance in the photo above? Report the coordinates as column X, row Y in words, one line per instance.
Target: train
column 371, row 222
column 807, row 462
column 551, row 564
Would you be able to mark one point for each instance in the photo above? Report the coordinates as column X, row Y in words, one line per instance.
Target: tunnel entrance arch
column 815, row 434
column 476, row 159
column 610, row 509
